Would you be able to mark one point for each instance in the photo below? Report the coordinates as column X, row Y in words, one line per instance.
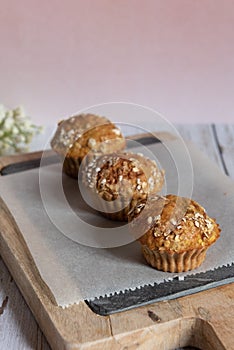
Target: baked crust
column 124, row 179
column 79, row 135
column 174, row 224
column 76, row 136
column 109, row 175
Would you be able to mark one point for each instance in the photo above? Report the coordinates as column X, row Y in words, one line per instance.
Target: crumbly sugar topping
column 92, row 142
column 116, row 131
column 70, row 132
column 113, row 174
column 181, row 223
column 120, row 173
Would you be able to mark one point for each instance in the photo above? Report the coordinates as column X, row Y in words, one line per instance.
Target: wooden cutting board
column 203, row 320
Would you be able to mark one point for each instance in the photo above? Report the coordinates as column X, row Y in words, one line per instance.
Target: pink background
column 175, row 56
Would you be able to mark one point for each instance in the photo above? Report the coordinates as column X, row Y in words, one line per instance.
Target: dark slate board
column 164, row 291
column 28, row 165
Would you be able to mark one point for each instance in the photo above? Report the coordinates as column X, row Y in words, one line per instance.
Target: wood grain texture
column 187, row 318
column 15, row 317
column 203, row 137
column 203, row 320
column 225, row 139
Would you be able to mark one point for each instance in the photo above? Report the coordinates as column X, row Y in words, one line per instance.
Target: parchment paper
column 75, row 272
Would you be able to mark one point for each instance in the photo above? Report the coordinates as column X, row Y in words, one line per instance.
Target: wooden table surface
column 18, row 328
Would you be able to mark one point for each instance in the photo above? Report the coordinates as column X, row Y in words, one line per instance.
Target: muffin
column 175, row 232
column 83, row 134
column 118, row 182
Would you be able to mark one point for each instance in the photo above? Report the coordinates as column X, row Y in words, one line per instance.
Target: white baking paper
column 74, row 272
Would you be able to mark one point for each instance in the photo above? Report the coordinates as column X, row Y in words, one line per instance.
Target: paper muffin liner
column 174, row 262
column 71, row 166
column 115, row 210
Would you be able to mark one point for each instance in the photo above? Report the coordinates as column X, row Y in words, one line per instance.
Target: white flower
column 22, row 138
column 8, row 124
column 19, row 111
column 16, row 130
column 27, row 124
column 7, row 142
column 9, row 113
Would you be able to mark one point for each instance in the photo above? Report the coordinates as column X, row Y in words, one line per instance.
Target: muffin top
column 78, row 135
column 175, row 224
column 123, row 174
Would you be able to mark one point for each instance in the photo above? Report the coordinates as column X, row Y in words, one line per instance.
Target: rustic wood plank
column 225, row 138
column 203, row 137
column 16, row 319
column 188, row 318
column 42, row 343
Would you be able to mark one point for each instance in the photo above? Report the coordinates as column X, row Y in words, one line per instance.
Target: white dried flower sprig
column 16, row 130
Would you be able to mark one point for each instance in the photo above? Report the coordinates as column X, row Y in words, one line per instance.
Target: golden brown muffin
column 119, row 181
column 79, row 135
column 176, row 232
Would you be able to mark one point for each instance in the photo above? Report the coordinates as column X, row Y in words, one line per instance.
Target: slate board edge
column 104, row 305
